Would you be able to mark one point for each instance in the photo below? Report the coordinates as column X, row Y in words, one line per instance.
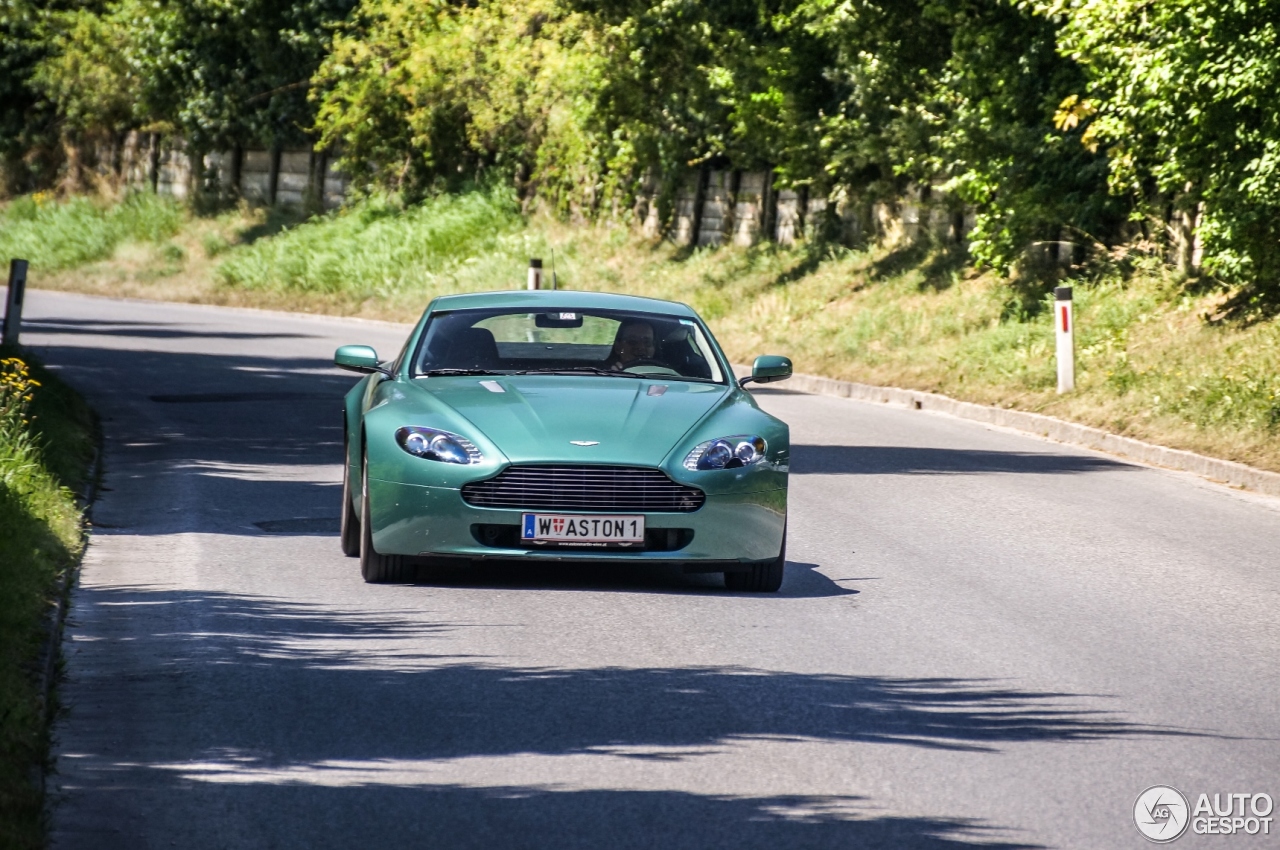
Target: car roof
column 559, row 299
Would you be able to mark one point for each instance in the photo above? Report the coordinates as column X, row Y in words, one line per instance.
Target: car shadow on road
column 228, row 425
column 308, row 718
column 919, row 460
column 801, row 580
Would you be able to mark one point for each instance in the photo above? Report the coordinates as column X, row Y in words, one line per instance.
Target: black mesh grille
column 584, row 488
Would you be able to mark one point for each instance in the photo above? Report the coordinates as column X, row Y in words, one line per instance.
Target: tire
column 350, row 534
column 760, row 578
column 377, row 568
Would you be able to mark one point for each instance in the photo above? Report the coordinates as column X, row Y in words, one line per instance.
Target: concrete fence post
column 236, row 172
column 1064, row 328
column 699, row 199
column 768, row 208
column 273, row 175
column 153, row 174
column 13, row 304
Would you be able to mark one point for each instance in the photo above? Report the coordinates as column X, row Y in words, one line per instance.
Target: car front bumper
column 411, row 519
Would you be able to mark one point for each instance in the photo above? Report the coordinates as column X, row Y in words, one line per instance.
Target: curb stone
column 1222, row 471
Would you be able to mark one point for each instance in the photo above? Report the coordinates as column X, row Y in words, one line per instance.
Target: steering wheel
column 648, row 367
column 645, row 361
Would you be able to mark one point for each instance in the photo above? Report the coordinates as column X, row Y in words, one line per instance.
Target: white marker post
column 1064, row 323
column 535, row 273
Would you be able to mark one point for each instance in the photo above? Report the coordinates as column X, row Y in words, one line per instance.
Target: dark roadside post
column 13, row 304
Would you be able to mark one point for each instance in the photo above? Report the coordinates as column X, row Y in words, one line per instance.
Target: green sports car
column 563, row 426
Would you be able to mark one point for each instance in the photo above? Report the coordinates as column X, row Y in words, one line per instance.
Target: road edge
column 1227, row 472
column 58, row 613
column 56, row 618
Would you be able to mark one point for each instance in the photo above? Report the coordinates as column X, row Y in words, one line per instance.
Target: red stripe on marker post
column 1066, row 341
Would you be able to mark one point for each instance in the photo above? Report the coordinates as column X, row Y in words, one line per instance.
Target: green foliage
column 997, row 145
column 225, row 72
column 87, row 73
column 578, row 99
column 57, row 235
column 27, row 119
column 1086, row 120
column 220, row 72
column 1181, row 93
column 417, row 95
column 732, row 83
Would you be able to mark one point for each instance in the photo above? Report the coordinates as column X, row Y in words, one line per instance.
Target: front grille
column 584, row 488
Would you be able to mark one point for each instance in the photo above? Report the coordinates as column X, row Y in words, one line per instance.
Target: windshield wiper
column 431, row 373
column 658, row 376
column 578, row 370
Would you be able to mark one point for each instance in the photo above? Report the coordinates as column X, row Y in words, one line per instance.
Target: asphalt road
column 982, row 638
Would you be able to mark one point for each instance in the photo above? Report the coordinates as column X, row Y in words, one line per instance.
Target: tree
column 224, row 72
column 422, row 94
column 996, row 144
column 1181, row 94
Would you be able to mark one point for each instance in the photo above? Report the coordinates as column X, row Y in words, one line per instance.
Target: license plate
column 580, row 530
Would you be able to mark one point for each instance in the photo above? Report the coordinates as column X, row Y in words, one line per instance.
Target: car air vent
column 584, row 488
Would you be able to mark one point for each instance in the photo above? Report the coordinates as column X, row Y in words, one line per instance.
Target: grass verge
column 69, row 234
column 1155, row 359
column 46, row 443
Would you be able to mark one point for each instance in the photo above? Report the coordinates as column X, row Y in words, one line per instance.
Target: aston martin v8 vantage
column 569, row 426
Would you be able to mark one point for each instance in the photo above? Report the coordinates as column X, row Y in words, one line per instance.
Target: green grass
column 376, row 249
column 63, row 235
column 46, row 439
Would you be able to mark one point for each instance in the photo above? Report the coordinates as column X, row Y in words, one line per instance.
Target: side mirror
column 357, row 358
column 767, row 369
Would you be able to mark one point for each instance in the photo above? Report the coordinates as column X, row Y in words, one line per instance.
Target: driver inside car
column 633, row 344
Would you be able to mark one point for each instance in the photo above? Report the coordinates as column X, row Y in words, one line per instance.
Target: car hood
column 535, row 418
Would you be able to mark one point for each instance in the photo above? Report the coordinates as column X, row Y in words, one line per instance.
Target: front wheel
column 760, row 578
column 374, row 567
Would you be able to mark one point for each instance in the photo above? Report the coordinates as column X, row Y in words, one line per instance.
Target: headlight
column 437, row 445
column 727, row 453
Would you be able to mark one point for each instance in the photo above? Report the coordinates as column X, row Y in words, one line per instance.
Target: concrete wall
column 712, row 207
column 294, row 176
column 719, row 207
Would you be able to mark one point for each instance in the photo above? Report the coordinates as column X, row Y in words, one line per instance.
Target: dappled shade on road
column 323, row 710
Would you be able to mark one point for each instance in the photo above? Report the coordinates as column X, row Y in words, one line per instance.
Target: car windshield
column 591, row 342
